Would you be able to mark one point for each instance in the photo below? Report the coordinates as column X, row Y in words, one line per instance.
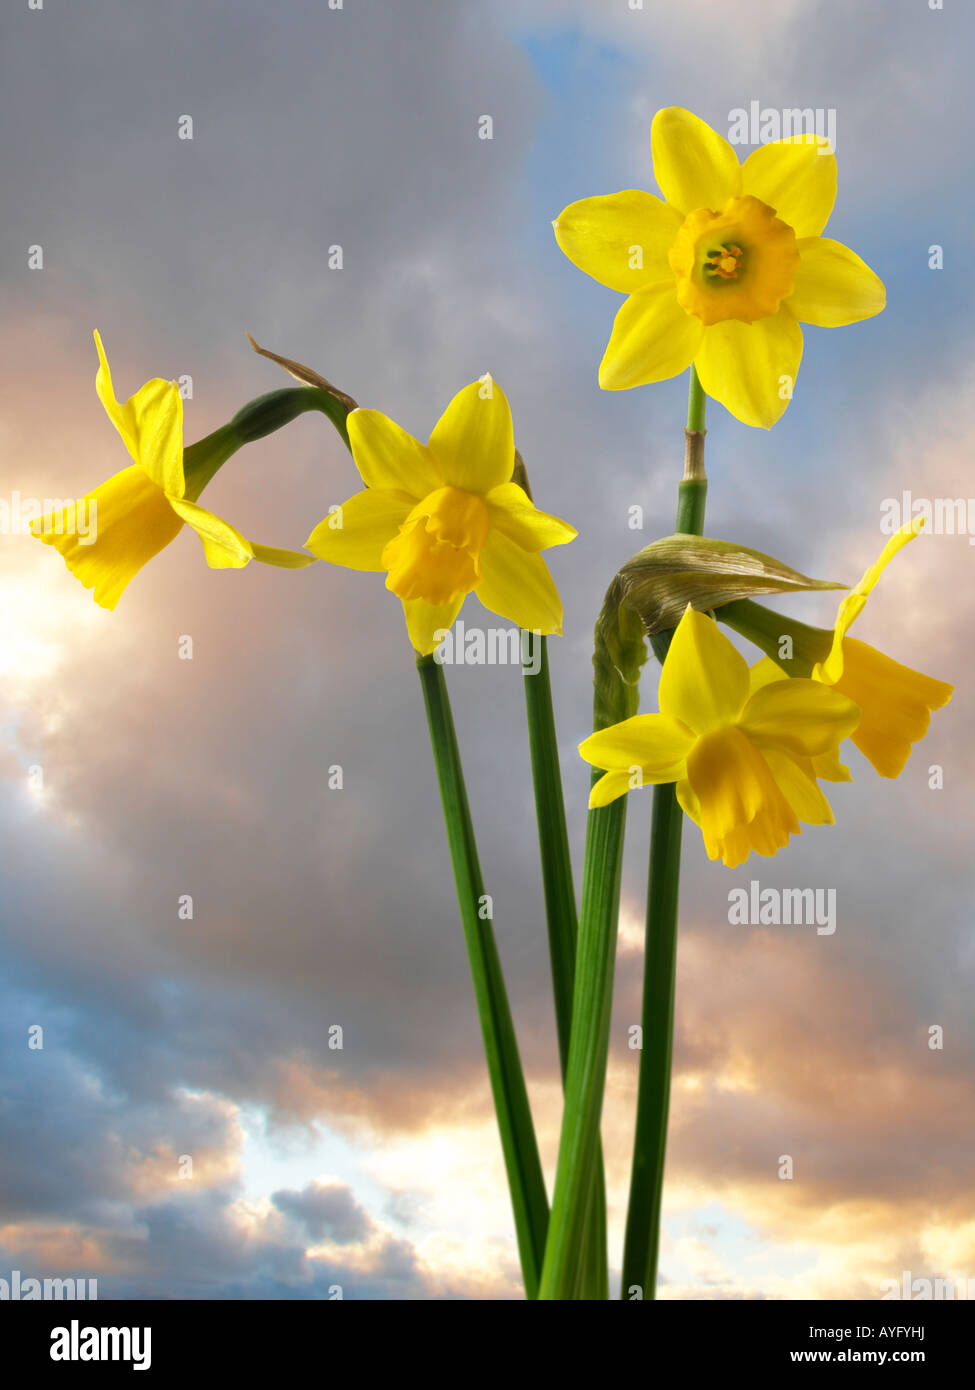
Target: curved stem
column 518, row 1142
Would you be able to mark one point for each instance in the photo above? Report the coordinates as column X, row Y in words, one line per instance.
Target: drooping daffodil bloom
column 738, row 756
column 722, row 271
column 896, row 702
column 107, row 536
column 824, row 767
column 444, row 519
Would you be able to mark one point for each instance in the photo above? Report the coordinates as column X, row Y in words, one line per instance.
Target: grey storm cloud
column 328, row 1211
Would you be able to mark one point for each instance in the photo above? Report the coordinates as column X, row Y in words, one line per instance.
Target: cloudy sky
column 129, row 777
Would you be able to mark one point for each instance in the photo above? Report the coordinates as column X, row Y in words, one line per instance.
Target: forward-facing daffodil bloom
column 444, row 519
column 896, row 702
column 738, row 755
column 107, row 536
column 723, row 270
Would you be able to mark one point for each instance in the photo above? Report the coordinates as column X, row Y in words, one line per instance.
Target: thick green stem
column 518, row 1141
column 642, row 1240
column 560, row 912
column 588, row 1051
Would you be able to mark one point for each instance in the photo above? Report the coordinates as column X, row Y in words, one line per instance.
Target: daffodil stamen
column 725, row 261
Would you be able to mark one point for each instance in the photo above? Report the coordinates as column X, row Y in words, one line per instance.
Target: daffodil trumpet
column 141, row 509
column 896, row 701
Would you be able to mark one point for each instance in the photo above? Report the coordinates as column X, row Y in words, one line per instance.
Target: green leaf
column 618, row 657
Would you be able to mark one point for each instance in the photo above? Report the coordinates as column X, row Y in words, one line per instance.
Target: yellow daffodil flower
column 107, row 537
column 823, row 767
column 444, row 519
column 738, row 755
column 896, row 702
column 723, row 271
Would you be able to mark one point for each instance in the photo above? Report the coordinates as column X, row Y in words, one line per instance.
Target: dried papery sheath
column 663, row 578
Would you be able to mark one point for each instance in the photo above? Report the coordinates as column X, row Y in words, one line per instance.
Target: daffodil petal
column 621, row 240
column 282, row 559
column 517, row 586
column 828, row 768
column 108, row 536
column 514, row 514
column 896, row 702
column 830, row 670
column 223, row 545
column 473, row 442
column 388, row 457
column 608, row 788
column 427, row 623
column 356, row 533
column 833, row 286
column 764, row 672
column 694, row 166
column 907, row 533
column 150, row 423
column 751, row 368
column 653, row 742
column 794, row 715
column 652, row 339
column 688, row 801
column 799, row 789
column 796, row 177
column 740, row 805
column 704, row 681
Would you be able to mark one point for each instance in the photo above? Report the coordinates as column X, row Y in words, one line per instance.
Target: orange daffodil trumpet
column 138, row 511
column 739, row 755
column 896, row 702
column 444, row 519
column 723, row 270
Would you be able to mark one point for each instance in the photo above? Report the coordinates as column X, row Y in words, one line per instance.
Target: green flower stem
column 518, row 1141
column 766, row 628
column 257, row 419
column 588, row 1051
column 553, row 839
column 560, row 911
column 642, row 1239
